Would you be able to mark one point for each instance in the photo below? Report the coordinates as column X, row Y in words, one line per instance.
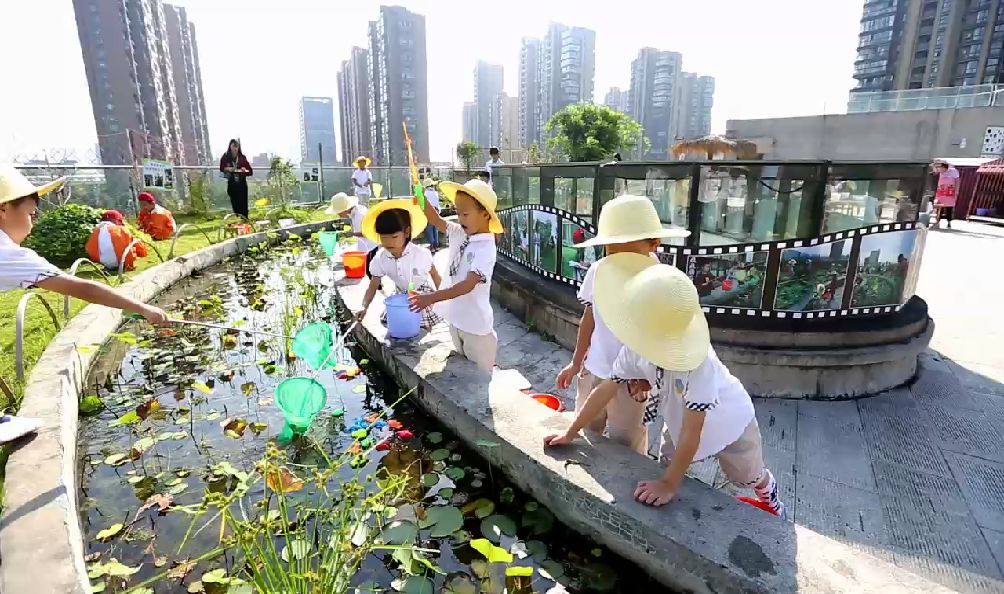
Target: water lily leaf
column 219, row 576
column 98, row 587
column 359, row 388
column 459, row 583
column 130, row 418
column 111, row 569
column 600, row 577
column 282, row 480
column 434, row 437
column 247, row 388
column 539, row 521
column 456, row 473
column 229, row 341
column 430, row 480
column 180, row 569
column 399, row 533
column 519, row 571
column 117, row 459
column 482, row 507
column 213, row 415
column 147, row 408
column 507, row 495
column 413, row 562
column 160, row 562
column 552, row 570
column 296, row 549
column 494, row 526
column 258, row 427
column 446, row 493
column 90, row 405
column 178, row 489
column 460, row 537
column 204, row 389
column 141, row 446
column 537, row 549
column 491, row 553
column 413, row 584
column 440, row 454
column 360, row 534
column 234, row 427
column 110, row 532
column 175, row 435
column 596, row 552
column 161, row 501
column 476, row 484
column 195, row 588
column 443, row 520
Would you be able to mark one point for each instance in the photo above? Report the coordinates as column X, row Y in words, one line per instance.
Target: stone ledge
column 39, row 524
column 705, row 541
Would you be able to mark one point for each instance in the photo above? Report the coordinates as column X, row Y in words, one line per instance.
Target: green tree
column 468, row 151
column 589, row 132
column 281, row 180
column 533, row 154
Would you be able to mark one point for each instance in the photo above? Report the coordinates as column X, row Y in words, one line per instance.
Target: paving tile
column 968, row 432
column 783, row 465
column 923, row 493
column 982, row 484
column 778, row 420
column 894, row 436
column 845, row 411
column 833, row 446
column 980, row 378
column 995, row 540
column 961, row 579
column 849, row 515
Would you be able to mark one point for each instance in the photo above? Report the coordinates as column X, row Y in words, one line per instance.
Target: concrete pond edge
column 41, row 542
column 704, row 541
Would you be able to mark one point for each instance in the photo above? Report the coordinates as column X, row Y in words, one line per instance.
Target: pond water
column 186, row 485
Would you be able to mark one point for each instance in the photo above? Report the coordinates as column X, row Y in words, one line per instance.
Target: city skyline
column 296, row 60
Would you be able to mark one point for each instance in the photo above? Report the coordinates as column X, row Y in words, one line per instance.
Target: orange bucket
column 551, row 402
column 354, row 264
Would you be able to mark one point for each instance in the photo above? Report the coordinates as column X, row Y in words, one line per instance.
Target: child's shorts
column 479, row 348
column 741, row 461
column 622, row 418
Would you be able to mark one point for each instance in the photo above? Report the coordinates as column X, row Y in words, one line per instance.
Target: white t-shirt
column 472, row 312
column 710, row 388
column 412, row 267
column 361, row 176
column 358, row 213
column 433, row 197
column 106, row 249
column 490, row 165
column 603, row 345
column 22, row 268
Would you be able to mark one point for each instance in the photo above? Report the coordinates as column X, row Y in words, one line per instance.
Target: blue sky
column 770, row 58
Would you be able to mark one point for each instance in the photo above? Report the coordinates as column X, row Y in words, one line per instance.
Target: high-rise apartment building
column 696, row 98
column 488, row 83
column 529, row 54
column 914, row 44
column 508, row 123
column 618, row 99
column 317, row 129
column 354, row 105
column 398, row 85
column 564, row 62
column 655, row 78
column 470, row 121
column 143, row 73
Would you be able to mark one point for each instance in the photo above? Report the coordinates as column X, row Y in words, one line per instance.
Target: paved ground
column 915, row 475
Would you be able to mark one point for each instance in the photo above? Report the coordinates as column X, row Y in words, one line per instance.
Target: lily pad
column 90, row 405
column 459, row 583
column 491, row 553
column 296, row 549
column 247, row 388
column 117, row 459
column 202, row 388
column 552, row 570
column 444, row 521
column 414, row 584
column 430, row 480
column 600, row 577
column 539, row 521
column 507, row 495
column 110, row 532
column 112, row 568
column 495, row 526
column 434, row 438
column 482, row 507
column 536, row 548
column 399, row 533
column 282, row 480
column 456, row 473
column 439, row 455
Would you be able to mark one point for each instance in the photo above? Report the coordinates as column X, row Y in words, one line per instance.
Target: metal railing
column 73, row 272
column 22, row 307
column 174, row 239
column 128, row 250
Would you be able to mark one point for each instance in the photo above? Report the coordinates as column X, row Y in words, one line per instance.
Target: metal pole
column 320, row 171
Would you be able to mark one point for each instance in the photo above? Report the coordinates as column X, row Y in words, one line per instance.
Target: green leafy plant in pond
column 60, row 234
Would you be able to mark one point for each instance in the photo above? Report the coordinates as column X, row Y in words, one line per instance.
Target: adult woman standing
column 236, row 167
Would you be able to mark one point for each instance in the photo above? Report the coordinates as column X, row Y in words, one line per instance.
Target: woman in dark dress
column 236, row 167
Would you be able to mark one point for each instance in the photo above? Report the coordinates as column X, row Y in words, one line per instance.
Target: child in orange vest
column 153, row 218
column 109, row 241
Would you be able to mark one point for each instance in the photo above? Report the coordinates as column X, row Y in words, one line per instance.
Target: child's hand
column 361, row 314
column 566, row 374
column 559, row 440
column 420, row 301
column 656, row 492
column 154, row 315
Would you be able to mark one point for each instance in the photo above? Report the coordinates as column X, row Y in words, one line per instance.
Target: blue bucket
column 401, row 321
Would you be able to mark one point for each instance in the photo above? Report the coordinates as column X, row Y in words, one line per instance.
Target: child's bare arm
column 661, row 491
column 368, row 297
column 595, row 403
column 420, row 302
column 582, row 340
column 436, row 279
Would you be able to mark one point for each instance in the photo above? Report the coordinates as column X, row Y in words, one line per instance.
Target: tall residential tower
column 354, row 105
column 317, row 130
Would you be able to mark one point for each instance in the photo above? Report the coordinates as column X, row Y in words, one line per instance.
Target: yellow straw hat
column 481, row 192
column 14, row 185
column 341, row 202
column 366, row 161
column 418, row 219
column 653, row 309
column 629, row 218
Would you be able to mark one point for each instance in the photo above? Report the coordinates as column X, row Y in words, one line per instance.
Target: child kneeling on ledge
column 653, row 309
column 394, row 224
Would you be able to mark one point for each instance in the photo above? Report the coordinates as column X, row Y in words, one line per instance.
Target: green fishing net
column 300, row 399
column 329, row 242
column 313, row 344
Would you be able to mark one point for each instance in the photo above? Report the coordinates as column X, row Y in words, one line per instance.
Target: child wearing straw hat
column 654, row 310
column 347, row 207
column 465, row 296
column 362, row 179
column 394, row 224
column 627, row 224
column 22, row 268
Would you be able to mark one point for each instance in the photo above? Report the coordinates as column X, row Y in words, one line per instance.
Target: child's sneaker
column 12, row 427
column 782, row 512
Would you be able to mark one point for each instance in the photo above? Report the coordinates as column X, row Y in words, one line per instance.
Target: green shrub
column 60, row 234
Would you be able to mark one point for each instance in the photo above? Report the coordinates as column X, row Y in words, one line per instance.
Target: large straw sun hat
column 418, row 219
column 653, row 309
column 14, row 185
column 629, row 218
column 341, row 202
column 366, row 161
column 481, row 192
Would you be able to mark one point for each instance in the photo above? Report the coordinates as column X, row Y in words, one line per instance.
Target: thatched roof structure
column 716, row 145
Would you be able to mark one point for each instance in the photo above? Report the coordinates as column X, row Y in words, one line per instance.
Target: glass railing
column 930, row 98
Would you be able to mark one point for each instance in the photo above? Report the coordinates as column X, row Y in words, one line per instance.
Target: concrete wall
column 893, row 135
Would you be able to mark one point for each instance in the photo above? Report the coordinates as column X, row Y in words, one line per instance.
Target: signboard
column 308, row 173
column 158, row 174
column 858, row 272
